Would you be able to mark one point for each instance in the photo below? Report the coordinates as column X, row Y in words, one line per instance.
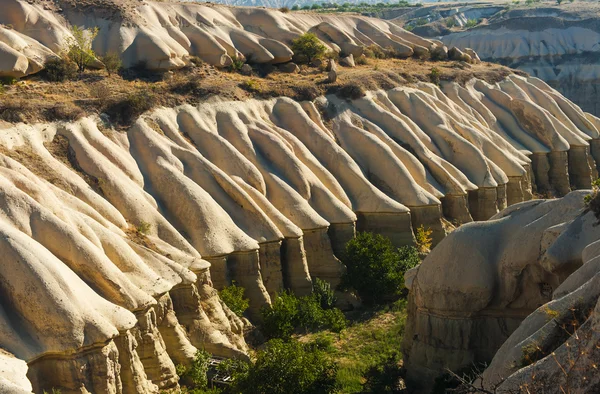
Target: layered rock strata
column 114, row 243
column 518, row 290
column 556, row 43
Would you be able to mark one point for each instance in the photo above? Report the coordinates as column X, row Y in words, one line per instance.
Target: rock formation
column 114, row 242
column 162, row 35
column 556, row 43
column 524, row 282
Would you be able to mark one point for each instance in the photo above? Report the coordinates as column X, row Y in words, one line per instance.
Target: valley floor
column 372, row 340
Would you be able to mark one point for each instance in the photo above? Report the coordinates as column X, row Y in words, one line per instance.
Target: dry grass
column 124, row 99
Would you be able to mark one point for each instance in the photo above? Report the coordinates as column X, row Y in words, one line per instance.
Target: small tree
column 112, row 62
column 287, row 368
column 233, row 297
column 375, row 269
column 309, row 47
column 79, row 47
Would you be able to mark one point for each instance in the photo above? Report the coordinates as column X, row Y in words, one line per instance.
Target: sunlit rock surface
column 114, row 243
column 519, row 291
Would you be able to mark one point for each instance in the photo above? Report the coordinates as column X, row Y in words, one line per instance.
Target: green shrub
column 334, row 320
column 236, row 63
column 285, row 10
column 289, row 313
column 295, row 7
column 280, row 319
column 309, row 47
column 472, row 23
column 233, row 297
column 58, row 69
column 450, row 23
column 323, row 293
column 196, row 374
column 375, row 52
column 112, row 63
column 375, row 269
column 286, row 368
column 79, row 47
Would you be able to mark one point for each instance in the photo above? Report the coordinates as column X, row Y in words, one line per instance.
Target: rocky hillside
column 118, row 239
column 163, row 35
column 558, row 44
column 115, row 240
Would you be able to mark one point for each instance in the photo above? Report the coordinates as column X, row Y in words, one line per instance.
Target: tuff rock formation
column 556, row 43
column 520, row 290
column 163, row 35
column 113, row 242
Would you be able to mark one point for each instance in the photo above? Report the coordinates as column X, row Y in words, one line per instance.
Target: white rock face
column 164, row 35
column 114, row 243
column 522, row 289
column 558, row 44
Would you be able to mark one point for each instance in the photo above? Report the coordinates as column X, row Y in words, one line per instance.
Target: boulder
column 246, row 70
column 474, row 56
column 347, row 61
column 456, row 54
column 439, row 52
column 290, row 68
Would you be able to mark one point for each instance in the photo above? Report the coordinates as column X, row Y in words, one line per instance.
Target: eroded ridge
column 114, row 242
column 163, row 35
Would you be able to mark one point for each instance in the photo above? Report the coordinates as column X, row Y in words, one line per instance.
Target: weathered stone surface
column 246, row 70
column 290, row 68
column 470, row 295
column 164, row 37
column 347, row 61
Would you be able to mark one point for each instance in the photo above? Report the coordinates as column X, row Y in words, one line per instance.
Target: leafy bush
column 79, row 47
column 375, row 269
column 196, row 374
column 295, row 7
column 472, row 23
column 58, row 69
column 450, row 23
column 424, row 241
column 112, row 63
column 233, row 297
column 236, row 63
column 286, row 368
column 323, row 293
column 309, row 47
column 289, row 313
column 285, row 10
column 280, row 319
